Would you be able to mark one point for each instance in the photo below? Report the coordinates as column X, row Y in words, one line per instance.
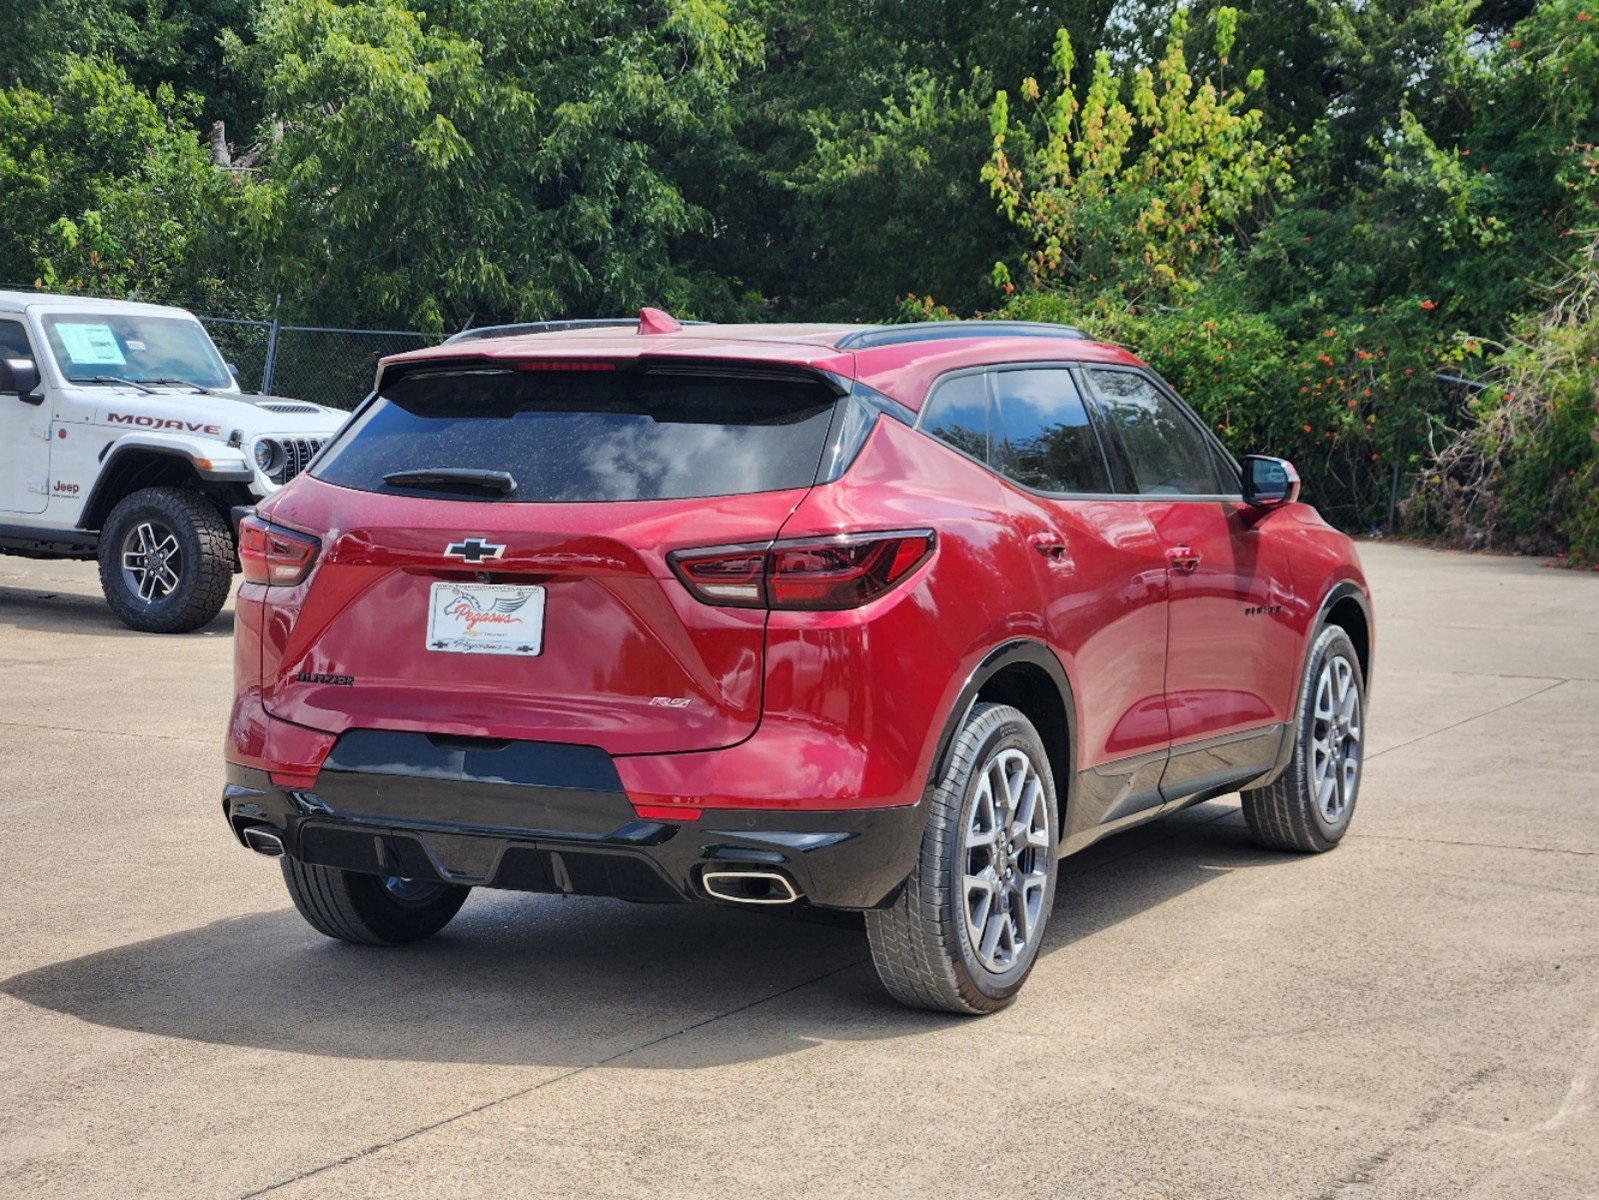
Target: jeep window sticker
column 91, row 344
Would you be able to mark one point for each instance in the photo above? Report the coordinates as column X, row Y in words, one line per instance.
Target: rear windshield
column 587, row 435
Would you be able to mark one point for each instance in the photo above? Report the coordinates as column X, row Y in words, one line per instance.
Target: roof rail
column 932, row 331
column 530, row 327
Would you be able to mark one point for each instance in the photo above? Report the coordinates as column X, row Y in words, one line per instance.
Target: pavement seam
column 1363, row 1174
column 1399, row 837
column 1468, row 720
column 544, row 1083
column 143, row 737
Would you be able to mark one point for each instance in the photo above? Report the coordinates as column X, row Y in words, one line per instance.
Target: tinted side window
column 1167, row 454
column 1045, row 440
column 14, row 340
column 1232, row 482
column 957, row 413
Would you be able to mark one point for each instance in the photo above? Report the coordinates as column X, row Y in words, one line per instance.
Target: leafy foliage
column 1148, row 217
column 108, row 189
column 1357, row 232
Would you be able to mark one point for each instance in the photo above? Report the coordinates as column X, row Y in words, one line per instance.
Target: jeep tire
column 166, row 561
column 968, row 924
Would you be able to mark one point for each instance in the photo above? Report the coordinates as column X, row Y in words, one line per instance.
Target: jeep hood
column 181, row 411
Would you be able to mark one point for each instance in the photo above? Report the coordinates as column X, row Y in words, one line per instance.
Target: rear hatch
column 494, row 554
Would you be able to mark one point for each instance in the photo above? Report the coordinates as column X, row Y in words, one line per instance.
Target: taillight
column 272, row 555
column 814, row 574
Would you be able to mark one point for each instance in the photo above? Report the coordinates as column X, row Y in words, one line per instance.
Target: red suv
column 884, row 618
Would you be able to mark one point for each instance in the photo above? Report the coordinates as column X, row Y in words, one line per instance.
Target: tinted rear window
column 590, row 435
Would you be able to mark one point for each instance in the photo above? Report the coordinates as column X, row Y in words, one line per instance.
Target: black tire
column 370, row 910
column 200, row 544
column 922, row 945
column 1289, row 814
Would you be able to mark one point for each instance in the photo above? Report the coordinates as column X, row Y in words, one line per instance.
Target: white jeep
column 124, row 436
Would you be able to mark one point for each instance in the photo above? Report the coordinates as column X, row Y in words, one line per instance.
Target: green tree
column 109, row 189
column 1144, row 194
column 492, row 159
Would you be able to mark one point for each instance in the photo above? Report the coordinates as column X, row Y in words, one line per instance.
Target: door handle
column 1052, row 546
column 1184, row 559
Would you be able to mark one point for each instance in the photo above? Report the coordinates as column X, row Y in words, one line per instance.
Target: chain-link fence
column 324, row 365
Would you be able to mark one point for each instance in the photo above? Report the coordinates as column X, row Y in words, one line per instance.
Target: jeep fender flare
column 210, row 461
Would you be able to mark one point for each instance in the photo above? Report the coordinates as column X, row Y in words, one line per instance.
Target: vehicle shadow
column 520, row 980
column 40, row 609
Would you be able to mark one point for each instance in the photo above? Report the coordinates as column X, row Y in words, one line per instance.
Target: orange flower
column 1428, row 304
column 1307, row 428
column 1330, row 333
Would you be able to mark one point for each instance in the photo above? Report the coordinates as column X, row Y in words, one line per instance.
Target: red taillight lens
column 819, row 574
column 736, row 578
column 272, row 555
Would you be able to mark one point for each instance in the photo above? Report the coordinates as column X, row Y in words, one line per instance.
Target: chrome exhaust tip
column 749, row 887
column 263, row 841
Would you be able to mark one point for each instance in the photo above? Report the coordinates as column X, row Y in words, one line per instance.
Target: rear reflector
column 273, row 555
column 666, row 812
column 811, row 574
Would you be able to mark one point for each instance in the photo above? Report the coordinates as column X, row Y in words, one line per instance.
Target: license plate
column 485, row 618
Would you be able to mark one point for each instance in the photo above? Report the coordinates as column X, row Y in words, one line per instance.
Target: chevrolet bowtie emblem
column 473, row 550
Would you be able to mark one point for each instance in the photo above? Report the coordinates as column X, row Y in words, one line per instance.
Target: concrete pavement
column 1413, row 1015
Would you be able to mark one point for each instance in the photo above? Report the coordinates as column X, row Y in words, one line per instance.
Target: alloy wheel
column 152, row 561
column 1335, row 738
column 1005, row 861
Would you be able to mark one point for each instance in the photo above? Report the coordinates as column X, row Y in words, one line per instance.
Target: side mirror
column 233, row 371
column 20, row 377
column 1269, row 482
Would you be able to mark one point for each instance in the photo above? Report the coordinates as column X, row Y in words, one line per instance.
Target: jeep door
column 24, row 435
column 1231, row 649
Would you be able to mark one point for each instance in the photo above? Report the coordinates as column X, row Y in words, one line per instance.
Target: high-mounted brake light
column 565, row 364
column 274, row 556
column 816, row 574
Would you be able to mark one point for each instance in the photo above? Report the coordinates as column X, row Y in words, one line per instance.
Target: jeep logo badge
column 473, row 550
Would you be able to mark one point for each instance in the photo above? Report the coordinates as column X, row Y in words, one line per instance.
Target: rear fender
column 1021, row 651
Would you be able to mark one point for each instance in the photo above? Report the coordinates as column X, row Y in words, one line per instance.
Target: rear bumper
column 545, row 818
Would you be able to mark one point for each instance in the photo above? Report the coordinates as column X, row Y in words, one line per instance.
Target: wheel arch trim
column 1017, row 652
column 1344, row 589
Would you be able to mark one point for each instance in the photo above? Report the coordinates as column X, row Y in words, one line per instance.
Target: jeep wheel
column 967, row 926
column 370, row 910
column 166, row 561
column 1309, row 805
